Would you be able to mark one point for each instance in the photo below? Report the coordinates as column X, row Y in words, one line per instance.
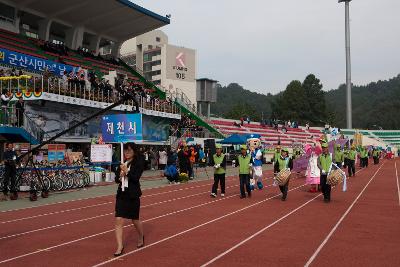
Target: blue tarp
column 235, row 139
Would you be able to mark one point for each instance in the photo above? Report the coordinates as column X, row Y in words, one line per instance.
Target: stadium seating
column 268, row 134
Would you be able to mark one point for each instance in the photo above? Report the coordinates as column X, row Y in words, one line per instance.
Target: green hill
column 374, row 105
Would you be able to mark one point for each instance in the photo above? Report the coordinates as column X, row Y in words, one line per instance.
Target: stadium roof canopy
column 117, row 19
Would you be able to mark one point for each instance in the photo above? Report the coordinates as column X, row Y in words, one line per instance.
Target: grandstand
column 50, row 43
column 389, row 137
column 269, row 135
column 38, row 36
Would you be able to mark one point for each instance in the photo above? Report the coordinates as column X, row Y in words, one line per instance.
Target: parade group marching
column 325, row 168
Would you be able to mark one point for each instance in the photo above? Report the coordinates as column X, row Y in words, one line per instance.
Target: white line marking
column 96, row 217
column 109, row 231
column 56, row 212
column 193, row 228
column 397, row 179
column 113, row 194
column 312, row 258
column 259, row 232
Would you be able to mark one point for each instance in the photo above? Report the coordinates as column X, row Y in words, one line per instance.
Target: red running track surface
column 185, row 227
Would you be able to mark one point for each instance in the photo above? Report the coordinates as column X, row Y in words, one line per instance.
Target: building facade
column 170, row 67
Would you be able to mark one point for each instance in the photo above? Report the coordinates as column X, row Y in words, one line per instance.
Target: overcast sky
column 264, row 44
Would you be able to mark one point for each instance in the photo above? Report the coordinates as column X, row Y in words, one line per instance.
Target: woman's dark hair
column 135, row 149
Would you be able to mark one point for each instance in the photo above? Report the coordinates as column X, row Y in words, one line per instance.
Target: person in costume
column 219, row 163
column 244, row 161
column 352, row 161
column 339, row 156
column 256, row 155
column 313, row 173
column 324, row 164
column 283, row 162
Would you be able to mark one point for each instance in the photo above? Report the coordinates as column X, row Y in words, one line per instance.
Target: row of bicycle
column 48, row 179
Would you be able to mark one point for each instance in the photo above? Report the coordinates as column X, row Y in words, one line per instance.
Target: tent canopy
column 238, row 139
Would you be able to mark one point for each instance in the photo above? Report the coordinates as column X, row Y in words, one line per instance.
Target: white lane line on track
column 98, row 216
column 112, row 230
column 397, row 179
column 229, row 178
column 108, row 195
column 193, row 228
column 259, row 232
column 318, row 250
column 90, row 206
column 56, row 212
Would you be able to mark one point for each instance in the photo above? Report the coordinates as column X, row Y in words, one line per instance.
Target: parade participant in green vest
column 277, row 154
column 324, row 164
column 346, row 156
column 364, row 157
column 244, row 161
column 339, row 156
column 375, row 155
column 352, row 161
column 219, row 163
column 283, row 162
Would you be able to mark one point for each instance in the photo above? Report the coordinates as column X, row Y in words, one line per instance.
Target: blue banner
column 20, row 60
column 60, row 155
column 122, row 128
column 52, row 156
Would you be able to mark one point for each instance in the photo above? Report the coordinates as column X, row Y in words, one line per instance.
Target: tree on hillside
column 233, row 97
column 241, row 110
column 302, row 102
column 292, row 103
column 316, row 107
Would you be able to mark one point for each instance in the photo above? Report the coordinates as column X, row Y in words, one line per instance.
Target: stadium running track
column 185, row 227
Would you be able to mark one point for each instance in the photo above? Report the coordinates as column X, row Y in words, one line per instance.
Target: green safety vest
column 352, row 155
column 326, row 162
column 219, row 160
column 283, row 163
column 376, row 153
column 339, row 156
column 277, row 155
column 244, row 162
column 364, row 153
column 346, row 153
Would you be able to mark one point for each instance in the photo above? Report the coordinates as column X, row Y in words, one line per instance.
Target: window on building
column 6, row 13
column 158, row 39
column 146, row 57
column 32, row 35
column 202, row 90
column 147, row 67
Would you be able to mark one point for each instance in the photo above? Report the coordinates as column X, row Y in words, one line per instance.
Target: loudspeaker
column 209, row 144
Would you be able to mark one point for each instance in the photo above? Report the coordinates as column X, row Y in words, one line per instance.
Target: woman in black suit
column 127, row 204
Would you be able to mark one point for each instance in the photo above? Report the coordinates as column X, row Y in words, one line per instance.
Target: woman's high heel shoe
column 120, row 253
column 142, row 245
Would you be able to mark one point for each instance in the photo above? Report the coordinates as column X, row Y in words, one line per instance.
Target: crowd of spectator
column 86, row 53
column 54, row 48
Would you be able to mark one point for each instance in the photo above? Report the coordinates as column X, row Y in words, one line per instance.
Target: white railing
column 83, row 91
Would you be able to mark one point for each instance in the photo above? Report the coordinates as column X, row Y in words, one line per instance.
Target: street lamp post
column 348, row 66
